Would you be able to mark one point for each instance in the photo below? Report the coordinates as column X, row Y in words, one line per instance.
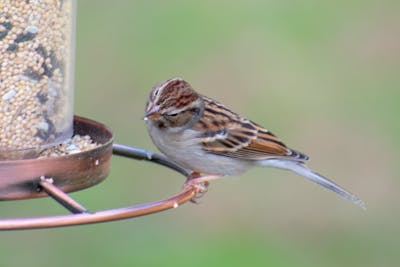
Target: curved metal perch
column 97, row 217
column 82, row 216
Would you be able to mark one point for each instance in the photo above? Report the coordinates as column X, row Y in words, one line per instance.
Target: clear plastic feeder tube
column 36, row 75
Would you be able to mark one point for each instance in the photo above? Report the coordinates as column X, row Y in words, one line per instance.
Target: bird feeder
column 44, row 149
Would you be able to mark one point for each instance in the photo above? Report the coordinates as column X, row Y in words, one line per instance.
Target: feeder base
column 20, row 179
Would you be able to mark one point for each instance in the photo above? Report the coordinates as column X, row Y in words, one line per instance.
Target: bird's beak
column 152, row 112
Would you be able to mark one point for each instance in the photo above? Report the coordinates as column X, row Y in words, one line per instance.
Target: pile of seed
column 35, row 77
column 76, row 144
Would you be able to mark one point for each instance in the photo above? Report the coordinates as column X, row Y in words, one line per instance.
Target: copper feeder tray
column 19, row 179
column 55, row 177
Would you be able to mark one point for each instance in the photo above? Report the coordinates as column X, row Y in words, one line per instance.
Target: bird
column 206, row 137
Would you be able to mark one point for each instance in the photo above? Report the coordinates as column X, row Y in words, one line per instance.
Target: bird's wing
column 229, row 134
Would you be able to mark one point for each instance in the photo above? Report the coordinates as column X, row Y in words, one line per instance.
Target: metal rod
column 61, row 197
column 142, row 154
column 100, row 216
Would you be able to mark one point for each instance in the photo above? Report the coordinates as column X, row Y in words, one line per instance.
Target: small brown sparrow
column 206, row 137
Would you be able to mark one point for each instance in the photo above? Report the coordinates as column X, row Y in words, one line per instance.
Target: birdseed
column 36, row 52
column 76, row 144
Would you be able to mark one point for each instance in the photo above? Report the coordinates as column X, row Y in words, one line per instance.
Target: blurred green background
column 322, row 75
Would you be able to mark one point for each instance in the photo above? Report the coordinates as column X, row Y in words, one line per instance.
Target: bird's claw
column 199, row 183
column 200, row 188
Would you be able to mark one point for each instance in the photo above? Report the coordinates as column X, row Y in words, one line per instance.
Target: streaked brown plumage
column 242, row 137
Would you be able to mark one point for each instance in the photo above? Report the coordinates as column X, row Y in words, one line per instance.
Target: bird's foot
column 200, row 183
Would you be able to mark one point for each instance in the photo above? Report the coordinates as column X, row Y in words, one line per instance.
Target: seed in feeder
column 7, row 25
column 10, row 94
column 32, row 29
column 32, row 74
column 46, row 131
column 71, row 147
column 12, row 47
column 3, row 34
column 42, row 97
column 24, row 37
column 47, row 71
column 43, row 126
column 41, row 51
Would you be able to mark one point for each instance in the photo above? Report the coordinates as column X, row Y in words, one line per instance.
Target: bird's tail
column 301, row 169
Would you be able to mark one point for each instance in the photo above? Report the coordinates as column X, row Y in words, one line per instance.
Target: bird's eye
column 173, row 114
